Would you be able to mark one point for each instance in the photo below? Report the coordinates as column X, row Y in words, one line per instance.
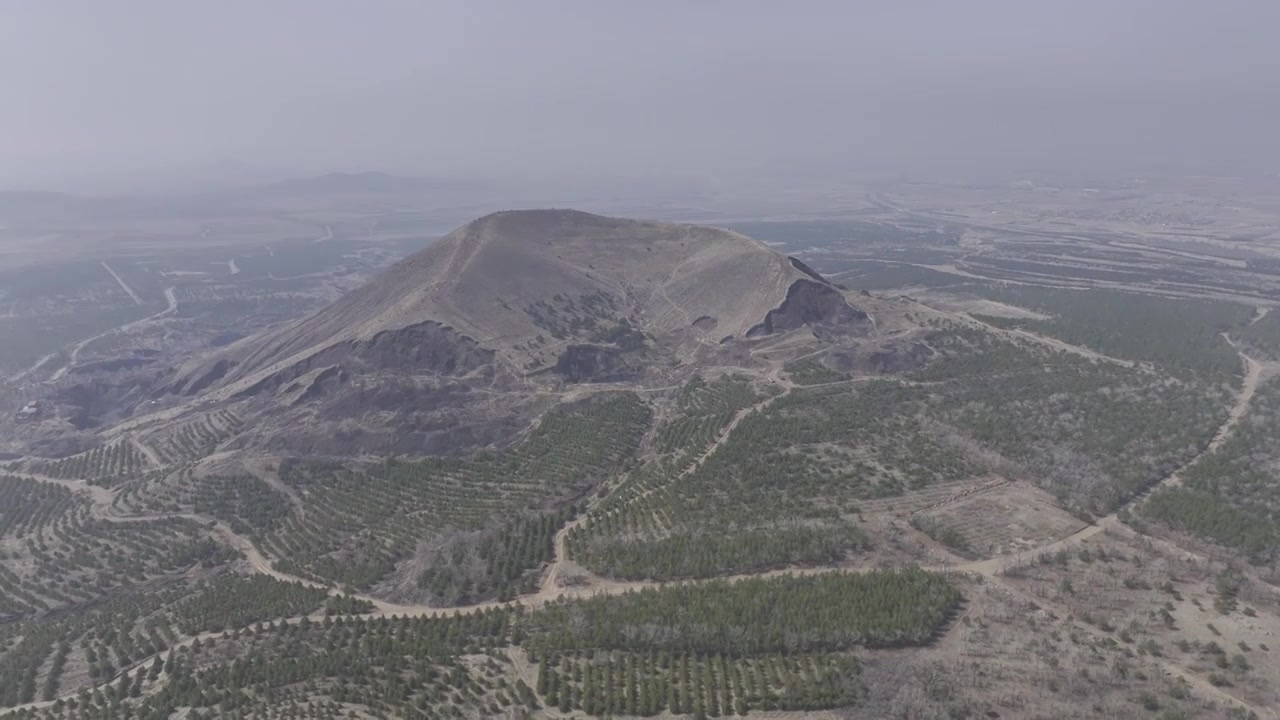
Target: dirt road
column 123, row 286
column 1049, row 342
column 169, row 294
column 549, row 589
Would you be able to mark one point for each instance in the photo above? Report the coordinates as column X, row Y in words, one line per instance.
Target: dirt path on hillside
column 261, row 469
column 98, row 496
column 146, row 450
column 528, row 673
column 1253, row 377
column 550, row 590
column 1239, row 407
column 993, row 568
column 1254, row 374
column 1045, row 340
column 698, row 334
column 38, row 364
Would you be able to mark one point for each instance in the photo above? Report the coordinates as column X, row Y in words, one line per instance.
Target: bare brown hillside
column 523, row 298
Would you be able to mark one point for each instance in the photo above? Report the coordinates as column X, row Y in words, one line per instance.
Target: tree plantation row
column 783, row 642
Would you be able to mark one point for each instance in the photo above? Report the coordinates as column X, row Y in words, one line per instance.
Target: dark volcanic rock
column 900, row 360
column 817, row 305
column 326, row 382
column 427, row 347
column 206, row 377
column 885, row 360
column 435, row 420
column 595, row 363
column 89, row 404
column 395, row 395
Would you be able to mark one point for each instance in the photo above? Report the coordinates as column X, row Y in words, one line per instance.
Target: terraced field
column 107, row 465
column 359, row 525
column 59, row 554
column 194, row 439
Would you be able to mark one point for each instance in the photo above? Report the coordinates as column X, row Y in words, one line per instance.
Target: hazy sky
column 651, row 89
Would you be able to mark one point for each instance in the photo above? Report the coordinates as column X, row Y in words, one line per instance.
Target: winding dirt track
column 147, row 452
column 170, row 297
column 549, row 589
column 1049, row 342
column 1248, row 387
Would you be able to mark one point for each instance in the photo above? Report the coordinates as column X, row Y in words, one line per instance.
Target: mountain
column 529, row 298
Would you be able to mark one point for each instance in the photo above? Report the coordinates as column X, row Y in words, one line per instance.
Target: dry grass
column 1006, row 519
column 1006, row 657
column 1155, row 598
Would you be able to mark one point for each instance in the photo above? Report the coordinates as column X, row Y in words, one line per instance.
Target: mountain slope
column 533, row 296
column 525, row 284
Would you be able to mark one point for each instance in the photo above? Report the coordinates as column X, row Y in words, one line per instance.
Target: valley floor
column 562, row 578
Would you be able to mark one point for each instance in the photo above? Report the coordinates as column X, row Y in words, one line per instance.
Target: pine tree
column 632, row 690
column 543, row 670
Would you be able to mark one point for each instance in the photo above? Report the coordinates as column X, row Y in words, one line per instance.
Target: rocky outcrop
column 819, row 306
column 202, row 378
column 900, row 359
column 595, row 363
column 797, row 264
column 425, row 348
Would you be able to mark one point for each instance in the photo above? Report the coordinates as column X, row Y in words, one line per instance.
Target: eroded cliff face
column 817, row 305
column 425, row 348
column 410, row 389
column 203, row 378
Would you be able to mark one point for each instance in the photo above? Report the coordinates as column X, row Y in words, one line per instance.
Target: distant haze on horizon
column 710, row 92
